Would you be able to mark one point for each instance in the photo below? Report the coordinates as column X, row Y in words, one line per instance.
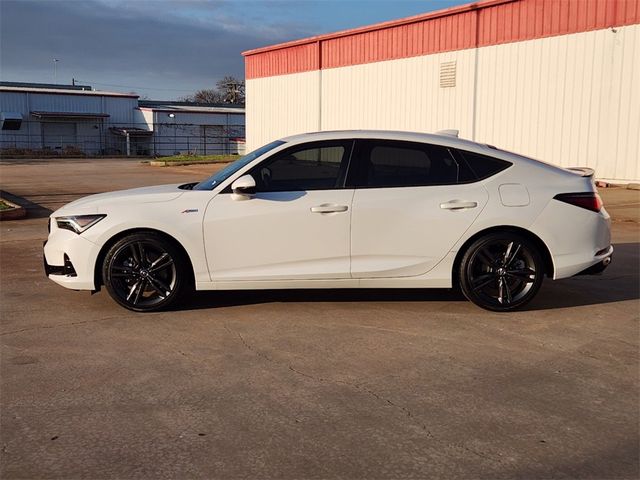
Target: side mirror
column 243, row 188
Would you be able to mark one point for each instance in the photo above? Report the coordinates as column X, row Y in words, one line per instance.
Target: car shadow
column 620, row 282
column 34, row 210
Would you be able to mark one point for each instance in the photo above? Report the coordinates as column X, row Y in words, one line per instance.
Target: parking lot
column 309, row 384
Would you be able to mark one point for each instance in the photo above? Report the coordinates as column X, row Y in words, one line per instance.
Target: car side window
column 312, row 166
column 483, row 166
column 388, row 163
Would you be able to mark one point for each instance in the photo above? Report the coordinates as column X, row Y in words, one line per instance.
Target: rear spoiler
column 583, row 171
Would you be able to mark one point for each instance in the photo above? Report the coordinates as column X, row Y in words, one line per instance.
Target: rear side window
column 388, row 163
column 483, row 166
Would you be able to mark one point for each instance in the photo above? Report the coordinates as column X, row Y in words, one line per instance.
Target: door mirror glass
column 243, row 187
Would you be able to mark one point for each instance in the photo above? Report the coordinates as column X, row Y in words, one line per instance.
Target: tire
column 501, row 271
column 145, row 272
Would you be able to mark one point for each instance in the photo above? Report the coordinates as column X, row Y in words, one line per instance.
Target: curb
column 161, row 163
column 14, row 213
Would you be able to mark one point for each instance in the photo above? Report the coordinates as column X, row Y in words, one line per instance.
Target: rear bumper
column 577, row 238
column 601, row 265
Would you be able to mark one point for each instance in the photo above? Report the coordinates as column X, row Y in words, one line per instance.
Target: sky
column 167, row 49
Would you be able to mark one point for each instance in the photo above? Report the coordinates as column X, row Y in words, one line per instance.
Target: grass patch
column 5, row 206
column 199, row 158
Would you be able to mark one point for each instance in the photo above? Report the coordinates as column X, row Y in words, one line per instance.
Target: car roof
column 447, row 140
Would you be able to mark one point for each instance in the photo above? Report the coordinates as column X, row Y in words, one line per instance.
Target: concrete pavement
column 308, row 384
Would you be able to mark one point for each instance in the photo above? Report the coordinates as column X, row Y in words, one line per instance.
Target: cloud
column 176, row 45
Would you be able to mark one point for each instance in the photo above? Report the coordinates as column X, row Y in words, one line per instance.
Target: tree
column 206, row 95
column 232, row 89
column 228, row 90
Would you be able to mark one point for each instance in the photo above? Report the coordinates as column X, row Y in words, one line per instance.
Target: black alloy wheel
column 501, row 271
column 144, row 272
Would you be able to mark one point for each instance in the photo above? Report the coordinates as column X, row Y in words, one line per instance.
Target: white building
column 555, row 80
column 203, row 130
column 69, row 120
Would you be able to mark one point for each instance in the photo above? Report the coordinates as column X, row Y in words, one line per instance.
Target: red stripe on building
column 481, row 24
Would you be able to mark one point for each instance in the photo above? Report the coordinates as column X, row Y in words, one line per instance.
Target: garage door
column 58, row 135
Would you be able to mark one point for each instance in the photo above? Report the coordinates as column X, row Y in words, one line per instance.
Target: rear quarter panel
column 563, row 228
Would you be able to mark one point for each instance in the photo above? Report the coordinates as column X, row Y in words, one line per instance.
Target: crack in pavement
column 45, row 327
column 363, row 389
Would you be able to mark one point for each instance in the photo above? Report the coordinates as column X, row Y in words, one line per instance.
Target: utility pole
column 55, row 70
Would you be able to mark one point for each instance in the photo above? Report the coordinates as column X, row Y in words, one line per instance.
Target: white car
column 349, row 209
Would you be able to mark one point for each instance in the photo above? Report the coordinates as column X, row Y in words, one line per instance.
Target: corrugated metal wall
column 278, row 106
column 88, row 134
column 399, row 95
column 480, row 24
column 569, row 99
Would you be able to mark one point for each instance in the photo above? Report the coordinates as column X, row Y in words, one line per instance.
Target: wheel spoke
column 511, row 254
column 507, row 290
column 163, row 261
column 159, row 286
column 134, row 253
column 132, row 290
column 143, row 254
column 159, row 259
column 486, row 258
column 142, row 283
column 523, row 274
column 483, row 281
column 500, row 289
column 120, row 271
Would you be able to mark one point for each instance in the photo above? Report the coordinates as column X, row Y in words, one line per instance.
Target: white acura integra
column 349, row 209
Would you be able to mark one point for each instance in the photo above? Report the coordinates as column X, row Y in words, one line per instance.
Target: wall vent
column 448, row 74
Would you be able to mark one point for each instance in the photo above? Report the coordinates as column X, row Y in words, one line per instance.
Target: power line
column 137, row 87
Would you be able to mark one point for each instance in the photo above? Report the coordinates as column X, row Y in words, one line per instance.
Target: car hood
column 97, row 203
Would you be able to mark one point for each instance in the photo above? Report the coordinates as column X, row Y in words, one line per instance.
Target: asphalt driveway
column 309, row 384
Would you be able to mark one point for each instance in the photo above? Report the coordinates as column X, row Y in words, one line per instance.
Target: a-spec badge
column 190, row 210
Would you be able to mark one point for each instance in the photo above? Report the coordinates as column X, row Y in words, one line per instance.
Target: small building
column 198, row 129
column 43, row 119
column 56, row 120
column 557, row 80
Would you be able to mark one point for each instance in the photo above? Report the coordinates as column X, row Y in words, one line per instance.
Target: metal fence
column 99, row 138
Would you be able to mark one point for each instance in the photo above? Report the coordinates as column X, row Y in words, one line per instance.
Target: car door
column 296, row 224
column 410, row 207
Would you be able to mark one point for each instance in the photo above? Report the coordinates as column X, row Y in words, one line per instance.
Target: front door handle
column 458, row 205
column 329, row 208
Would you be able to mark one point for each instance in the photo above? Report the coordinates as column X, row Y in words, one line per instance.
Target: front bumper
column 69, row 260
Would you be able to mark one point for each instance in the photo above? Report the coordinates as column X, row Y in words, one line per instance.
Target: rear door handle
column 458, row 205
column 329, row 208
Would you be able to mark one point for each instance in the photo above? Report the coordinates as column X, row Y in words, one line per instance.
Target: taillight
column 589, row 200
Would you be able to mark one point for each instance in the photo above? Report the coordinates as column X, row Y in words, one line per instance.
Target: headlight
column 78, row 223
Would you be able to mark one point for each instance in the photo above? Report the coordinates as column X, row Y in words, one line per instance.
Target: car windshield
column 219, row 177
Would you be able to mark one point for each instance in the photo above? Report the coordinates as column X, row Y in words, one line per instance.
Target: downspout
column 474, row 111
column 319, row 85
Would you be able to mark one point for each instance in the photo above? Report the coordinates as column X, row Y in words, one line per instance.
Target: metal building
column 62, row 119
column 197, row 129
column 38, row 119
column 557, row 80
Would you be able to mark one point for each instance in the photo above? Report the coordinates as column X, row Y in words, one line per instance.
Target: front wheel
column 144, row 272
column 501, row 271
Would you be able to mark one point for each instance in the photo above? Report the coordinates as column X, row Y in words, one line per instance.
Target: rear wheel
column 501, row 271
column 144, row 272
